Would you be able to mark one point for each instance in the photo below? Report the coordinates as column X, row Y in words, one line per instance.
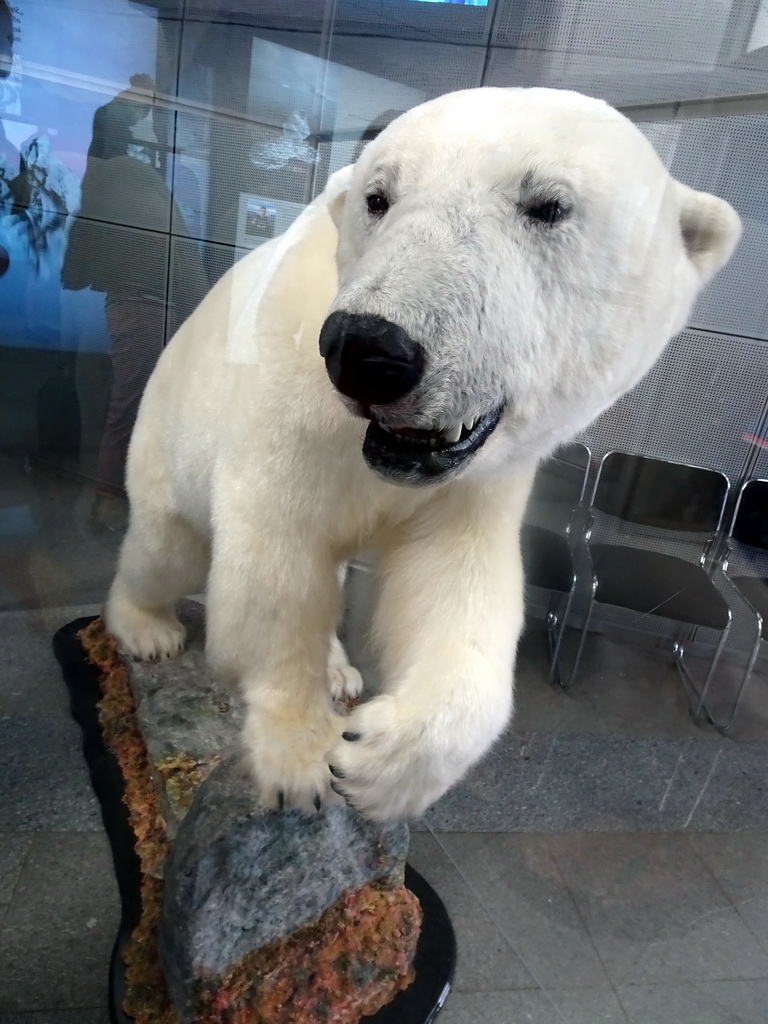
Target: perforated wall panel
column 654, row 30
column 619, row 80
column 403, row 19
column 695, row 406
column 726, row 155
column 186, row 256
column 333, row 156
column 237, row 175
column 392, row 18
column 429, row 68
column 623, row 51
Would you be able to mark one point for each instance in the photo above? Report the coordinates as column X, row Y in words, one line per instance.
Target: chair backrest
column 562, row 478
column 750, row 521
column 660, row 494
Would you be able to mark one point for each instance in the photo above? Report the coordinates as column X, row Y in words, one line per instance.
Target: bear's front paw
column 286, row 750
column 390, row 764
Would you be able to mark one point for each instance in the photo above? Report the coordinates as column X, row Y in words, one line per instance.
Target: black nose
column 369, row 358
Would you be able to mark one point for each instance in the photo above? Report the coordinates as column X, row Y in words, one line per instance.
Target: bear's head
column 510, row 262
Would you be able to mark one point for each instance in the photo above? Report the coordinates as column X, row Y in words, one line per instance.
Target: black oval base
column 435, row 959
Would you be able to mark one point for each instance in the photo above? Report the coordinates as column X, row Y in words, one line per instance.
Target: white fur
column 245, row 468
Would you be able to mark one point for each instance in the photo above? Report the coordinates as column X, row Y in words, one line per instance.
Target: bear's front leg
column 449, row 616
column 273, row 602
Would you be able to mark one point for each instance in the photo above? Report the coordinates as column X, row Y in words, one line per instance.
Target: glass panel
column 605, row 860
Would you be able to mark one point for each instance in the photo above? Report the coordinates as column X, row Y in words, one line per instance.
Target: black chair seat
column 657, row 584
column 547, row 559
column 755, row 590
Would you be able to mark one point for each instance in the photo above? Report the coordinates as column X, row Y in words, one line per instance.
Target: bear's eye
column 547, row 212
column 377, row 204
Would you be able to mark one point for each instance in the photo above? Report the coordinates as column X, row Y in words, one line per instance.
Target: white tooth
column 469, row 423
column 453, row 433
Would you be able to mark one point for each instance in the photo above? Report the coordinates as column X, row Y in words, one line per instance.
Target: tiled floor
column 60, row 925
column 593, row 928
column 608, row 864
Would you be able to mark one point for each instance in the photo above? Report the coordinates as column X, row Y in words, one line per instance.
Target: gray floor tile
column 43, row 778
column 628, row 689
column 627, row 685
column 33, row 685
column 520, row 888
column 653, row 910
column 60, row 926
column 563, row 782
column 485, row 960
column 740, row 864
column 90, row 1016
column 13, row 850
column 746, row 1001
column 735, row 796
column 717, row 1002
column 573, row 1006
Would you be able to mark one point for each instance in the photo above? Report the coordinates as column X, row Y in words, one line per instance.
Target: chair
column 558, row 490
column 674, row 499
column 750, row 527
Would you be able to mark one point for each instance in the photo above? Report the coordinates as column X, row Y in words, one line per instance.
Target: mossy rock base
column 353, row 959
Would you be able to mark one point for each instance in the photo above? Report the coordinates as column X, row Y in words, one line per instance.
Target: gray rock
column 239, row 878
column 185, row 716
column 190, row 721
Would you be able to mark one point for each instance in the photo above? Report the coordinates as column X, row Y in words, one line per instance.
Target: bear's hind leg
column 163, row 558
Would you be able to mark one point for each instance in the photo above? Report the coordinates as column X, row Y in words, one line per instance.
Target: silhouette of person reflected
column 118, row 244
column 113, row 123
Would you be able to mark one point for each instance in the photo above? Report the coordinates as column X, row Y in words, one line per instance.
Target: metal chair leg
column 554, row 673
column 710, row 675
column 744, row 681
column 583, row 637
column 698, row 701
column 552, row 621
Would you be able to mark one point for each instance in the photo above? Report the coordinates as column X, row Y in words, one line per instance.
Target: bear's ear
column 335, row 192
column 711, row 229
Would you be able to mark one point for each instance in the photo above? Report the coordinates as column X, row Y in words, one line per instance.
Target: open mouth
column 411, row 456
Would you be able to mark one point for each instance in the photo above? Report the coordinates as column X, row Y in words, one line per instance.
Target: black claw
column 350, row 737
column 336, row 771
column 317, row 802
column 280, row 800
column 337, row 789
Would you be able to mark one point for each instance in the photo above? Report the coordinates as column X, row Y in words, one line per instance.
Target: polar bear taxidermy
column 497, row 268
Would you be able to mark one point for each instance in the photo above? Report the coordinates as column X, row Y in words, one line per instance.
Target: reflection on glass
column 114, row 248
column 145, row 147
